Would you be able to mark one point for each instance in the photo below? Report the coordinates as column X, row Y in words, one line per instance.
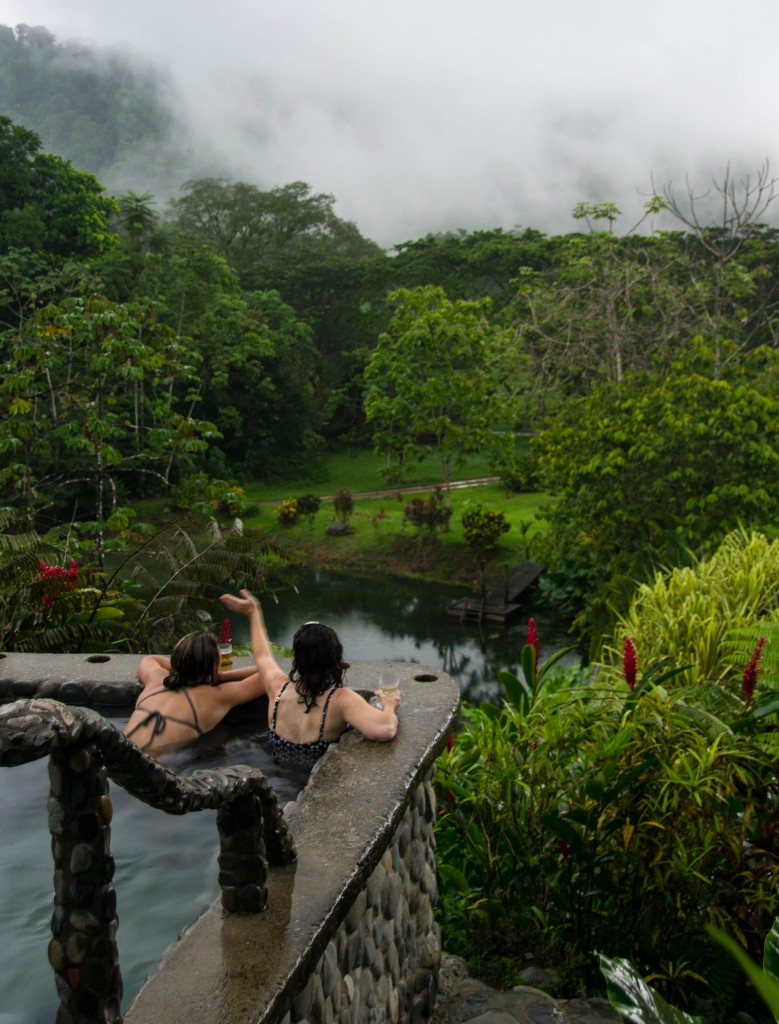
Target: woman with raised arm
column 186, row 695
column 310, row 708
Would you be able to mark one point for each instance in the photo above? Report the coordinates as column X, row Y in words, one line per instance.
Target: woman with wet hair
column 310, row 708
column 186, row 695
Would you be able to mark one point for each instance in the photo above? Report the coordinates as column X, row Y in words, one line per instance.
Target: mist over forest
column 145, row 120
column 107, row 114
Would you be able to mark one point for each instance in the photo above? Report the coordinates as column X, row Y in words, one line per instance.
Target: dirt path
column 391, row 492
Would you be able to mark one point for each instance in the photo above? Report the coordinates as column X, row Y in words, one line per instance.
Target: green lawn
column 359, row 470
column 381, row 541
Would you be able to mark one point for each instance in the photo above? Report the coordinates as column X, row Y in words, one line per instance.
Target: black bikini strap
column 159, row 720
column 276, row 704
column 196, row 723
column 153, row 693
column 324, row 712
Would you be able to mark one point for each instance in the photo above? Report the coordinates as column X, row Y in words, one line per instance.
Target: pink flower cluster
column 65, row 579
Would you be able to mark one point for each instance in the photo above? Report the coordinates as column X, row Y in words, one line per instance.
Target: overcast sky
column 429, row 115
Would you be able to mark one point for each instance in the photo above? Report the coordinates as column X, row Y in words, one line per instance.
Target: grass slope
column 380, row 541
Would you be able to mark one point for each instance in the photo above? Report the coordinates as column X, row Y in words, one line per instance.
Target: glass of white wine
column 388, row 684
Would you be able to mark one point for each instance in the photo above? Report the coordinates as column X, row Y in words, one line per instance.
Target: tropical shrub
column 637, row 1003
column 483, row 527
column 288, row 512
column 344, row 504
column 690, row 613
column 308, row 506
column 428, row 515
column 200, row 493
column 49, row 602
column 163, row 587
column 582, row 816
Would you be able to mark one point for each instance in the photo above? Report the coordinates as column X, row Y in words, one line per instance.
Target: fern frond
column 768, row 742
column 740, row 644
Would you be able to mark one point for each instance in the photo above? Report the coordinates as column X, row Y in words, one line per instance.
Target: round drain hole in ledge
column 425, row 677
column 98, row 659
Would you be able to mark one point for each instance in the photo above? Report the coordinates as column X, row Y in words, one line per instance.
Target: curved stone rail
column 84, row 750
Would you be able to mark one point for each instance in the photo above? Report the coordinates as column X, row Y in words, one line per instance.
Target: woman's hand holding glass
column 388, row 691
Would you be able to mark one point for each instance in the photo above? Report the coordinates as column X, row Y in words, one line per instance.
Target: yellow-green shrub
column 687, row 614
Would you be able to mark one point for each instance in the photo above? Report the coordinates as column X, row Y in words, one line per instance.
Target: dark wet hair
column 317, row 662
column 194, row 661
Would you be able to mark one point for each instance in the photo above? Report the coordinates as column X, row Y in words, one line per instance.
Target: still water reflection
column 404, row 620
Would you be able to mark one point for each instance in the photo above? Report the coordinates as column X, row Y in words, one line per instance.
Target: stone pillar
column 243, row 869
column 83, row 949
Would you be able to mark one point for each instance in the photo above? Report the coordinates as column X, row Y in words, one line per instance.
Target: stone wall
column 382, row 963
column 348, row 932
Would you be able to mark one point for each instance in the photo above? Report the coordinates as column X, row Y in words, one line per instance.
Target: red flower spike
column 629, row 665
column 749, row 678
column 532, row 638
column 226, row 636
column 563, row 849
column 450, row 741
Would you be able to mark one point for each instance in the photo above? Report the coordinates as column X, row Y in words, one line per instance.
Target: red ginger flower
column 749, row 678
column 563, row 849
column 532, row 637
column 226, row 636
column 59, row 573
column 629, row 664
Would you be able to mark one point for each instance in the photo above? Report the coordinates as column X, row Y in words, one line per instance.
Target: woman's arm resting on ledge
column 374, row 723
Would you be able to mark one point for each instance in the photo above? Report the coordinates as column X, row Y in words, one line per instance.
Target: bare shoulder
column 150, row 671
column 347, row 697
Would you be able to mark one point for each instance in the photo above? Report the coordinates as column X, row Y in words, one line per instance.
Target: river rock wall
column 382, row 963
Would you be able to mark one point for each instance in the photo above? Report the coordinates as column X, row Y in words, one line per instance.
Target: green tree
column 18, row 147
column 256, row 383
column 732, row 291
column 46, row 204
column 660, row 466
column 71, row 208
column 91, row 393
column 290, row 240
column 472, row 266
column 483, row 528
column 428, row 382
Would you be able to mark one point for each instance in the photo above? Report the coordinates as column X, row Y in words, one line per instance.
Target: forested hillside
column 97, row 109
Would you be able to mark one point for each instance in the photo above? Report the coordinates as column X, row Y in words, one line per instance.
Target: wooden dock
column 501, row 603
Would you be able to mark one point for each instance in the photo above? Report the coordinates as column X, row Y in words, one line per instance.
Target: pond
column 166, row 866
column 392, row 619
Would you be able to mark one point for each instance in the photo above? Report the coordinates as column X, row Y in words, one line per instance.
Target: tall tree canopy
column 659, row 465
column 46, row 204
column 428, row 380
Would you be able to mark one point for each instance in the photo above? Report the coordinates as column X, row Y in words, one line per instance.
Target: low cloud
column 431, row 115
